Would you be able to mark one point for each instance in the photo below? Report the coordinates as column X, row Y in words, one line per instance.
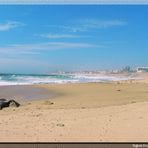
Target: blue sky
column 48, row 38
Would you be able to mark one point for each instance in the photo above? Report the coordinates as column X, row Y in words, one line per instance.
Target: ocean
column 28, row 79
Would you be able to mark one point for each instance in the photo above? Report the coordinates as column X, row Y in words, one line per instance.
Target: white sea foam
column 10, row 79
column 103, row 78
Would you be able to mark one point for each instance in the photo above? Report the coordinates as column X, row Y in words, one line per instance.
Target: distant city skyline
column 49, row 38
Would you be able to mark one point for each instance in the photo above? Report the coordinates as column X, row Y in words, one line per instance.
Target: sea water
column 28, row 79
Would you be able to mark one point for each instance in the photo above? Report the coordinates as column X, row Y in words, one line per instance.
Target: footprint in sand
column 118, row 90
column 60, row 125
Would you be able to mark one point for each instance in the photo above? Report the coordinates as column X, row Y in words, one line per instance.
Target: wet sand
column 25, row 93
column 80, row 112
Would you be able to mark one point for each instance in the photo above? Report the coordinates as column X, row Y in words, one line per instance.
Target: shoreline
column 81, row 92
column 24, row 93
column 32, row 79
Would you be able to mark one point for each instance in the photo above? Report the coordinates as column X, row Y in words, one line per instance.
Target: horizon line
column 135, row 69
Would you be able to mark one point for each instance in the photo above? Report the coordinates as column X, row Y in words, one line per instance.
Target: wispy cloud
column 36, row 49
column 92, row 24
column 10, row 25
column 58, row 36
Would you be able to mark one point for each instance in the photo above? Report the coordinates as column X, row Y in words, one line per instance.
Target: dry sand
column 81, row 112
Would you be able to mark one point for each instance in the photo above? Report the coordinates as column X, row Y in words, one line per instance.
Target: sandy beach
column 80, row 112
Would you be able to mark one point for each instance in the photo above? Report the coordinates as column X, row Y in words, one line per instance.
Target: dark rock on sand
column 11, row 103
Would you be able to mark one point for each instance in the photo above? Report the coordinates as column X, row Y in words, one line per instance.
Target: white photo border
column 74, row 2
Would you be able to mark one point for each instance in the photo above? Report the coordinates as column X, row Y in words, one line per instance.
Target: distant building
column 142, row 69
